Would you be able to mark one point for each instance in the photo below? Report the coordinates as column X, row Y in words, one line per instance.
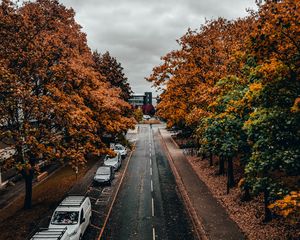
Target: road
column 148, row 204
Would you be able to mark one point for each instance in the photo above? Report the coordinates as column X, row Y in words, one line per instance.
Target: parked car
column 115, row 161
column 104, row 175
column 73, row 213
column 146, row 117
column 51, row 233
column 121, row 149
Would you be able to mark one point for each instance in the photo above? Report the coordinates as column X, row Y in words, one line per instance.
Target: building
column 138, row 100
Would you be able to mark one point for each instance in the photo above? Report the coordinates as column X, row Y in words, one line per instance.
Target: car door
column 112, row 173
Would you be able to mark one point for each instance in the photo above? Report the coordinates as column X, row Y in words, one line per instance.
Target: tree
column 148, row 109
column 41, row 110
column 237, row 84
column 138, row 114
column 223, row 135
column 273, row 128
column 112, row 70
column 54, row 104
column 189, row 75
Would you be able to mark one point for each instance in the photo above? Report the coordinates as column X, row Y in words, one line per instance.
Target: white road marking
column 96, row 211
column 96, row 189
column 151, row 186
column 150, row 154
column 94, row 226
column 151, row 171
column 150, row 162
column 152, row 207
column 153, row 233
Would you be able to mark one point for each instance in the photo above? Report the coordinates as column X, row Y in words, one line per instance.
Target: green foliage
column 138, row 114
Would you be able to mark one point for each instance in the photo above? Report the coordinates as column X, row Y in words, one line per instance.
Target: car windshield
column 65, row 217
column 103, row 171
column 119, row 148
column 111, row 158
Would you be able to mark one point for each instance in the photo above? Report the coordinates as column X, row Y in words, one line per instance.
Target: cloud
column 139, row 32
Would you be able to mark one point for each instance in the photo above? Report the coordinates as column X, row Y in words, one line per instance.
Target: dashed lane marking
column 151, row 171
column 153, row 233
column 152, row 207
column 151, row 185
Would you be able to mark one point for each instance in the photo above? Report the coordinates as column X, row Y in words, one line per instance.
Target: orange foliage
column 189, row 75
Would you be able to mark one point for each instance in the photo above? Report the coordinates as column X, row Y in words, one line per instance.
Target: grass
column 16, row 223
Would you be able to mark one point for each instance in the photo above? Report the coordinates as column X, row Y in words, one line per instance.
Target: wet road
column 148, row 205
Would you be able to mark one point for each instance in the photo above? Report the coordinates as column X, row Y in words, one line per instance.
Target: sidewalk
column 206, row 210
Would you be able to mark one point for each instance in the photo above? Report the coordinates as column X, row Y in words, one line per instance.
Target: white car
column 115, row 161
column 121, row 149
column 73, row 213
column 146, row 117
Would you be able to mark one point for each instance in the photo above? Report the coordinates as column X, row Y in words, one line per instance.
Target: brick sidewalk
column 206, row 210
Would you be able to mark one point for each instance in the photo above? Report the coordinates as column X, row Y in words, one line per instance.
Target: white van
column 74, row 213
column 51, row 234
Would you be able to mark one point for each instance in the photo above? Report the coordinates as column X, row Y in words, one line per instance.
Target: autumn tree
column 237, row 83
column 40, row 108
column 138, row 114
column 273, row 128
column 189, row 75
column 54, row 104
column 112, row 70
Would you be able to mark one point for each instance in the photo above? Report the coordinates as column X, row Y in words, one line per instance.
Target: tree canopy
column 236, row 84
column 55, row 104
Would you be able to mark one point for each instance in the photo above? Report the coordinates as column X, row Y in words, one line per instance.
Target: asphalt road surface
column 148, row 205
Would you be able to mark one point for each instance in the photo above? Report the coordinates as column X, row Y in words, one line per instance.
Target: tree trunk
column 28, row 176
column 211, row 159
column 221, row 165
column 268, row 214
column 246, row 197
column 230, row 176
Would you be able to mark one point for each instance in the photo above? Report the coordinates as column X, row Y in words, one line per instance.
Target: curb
column 197, row 223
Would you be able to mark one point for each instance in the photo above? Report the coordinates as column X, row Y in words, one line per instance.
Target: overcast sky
column 139, row 32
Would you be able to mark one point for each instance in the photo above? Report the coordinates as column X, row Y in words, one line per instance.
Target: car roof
column 73, row 201
column 108, row 157
column 118, row 144
column 50, row 233
column 99, row 168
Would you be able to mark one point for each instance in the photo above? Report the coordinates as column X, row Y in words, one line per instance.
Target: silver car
column 115, row 161
column 104, row 175
column 121, row 149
